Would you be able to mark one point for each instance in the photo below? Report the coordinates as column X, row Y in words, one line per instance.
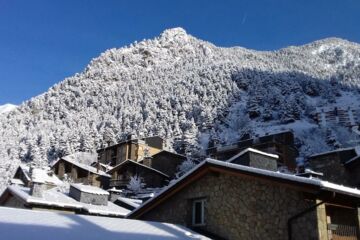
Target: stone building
column 132, row 148
column 255, row 158
column 122, row 173
column 165, row 162
column 231, row 201
column 79, row 199
column 281, row 144
column 341, row 166
column 80, row 173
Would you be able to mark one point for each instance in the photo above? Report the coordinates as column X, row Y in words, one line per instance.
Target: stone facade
column 90, row 198
column 133, row 149
column 37, row 189
column 281, row 144
column 331, row 165
column 241, row 208
column 256, row 160
column 165, row 162
column 79, row 175
column 121, row 175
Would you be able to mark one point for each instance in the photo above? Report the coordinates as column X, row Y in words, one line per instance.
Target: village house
column 225, row 200
column 132, row 148
column 78, row 199
column 122, row 173
column 144, row 158
column 70, row 167
column 22, row 175
column 165, row 162
column 281, row 144
column 341, row 166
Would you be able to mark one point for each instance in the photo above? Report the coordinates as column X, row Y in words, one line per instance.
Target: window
column 198, row 210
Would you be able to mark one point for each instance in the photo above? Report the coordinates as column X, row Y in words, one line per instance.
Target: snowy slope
column 7, row 108
column 190, row 92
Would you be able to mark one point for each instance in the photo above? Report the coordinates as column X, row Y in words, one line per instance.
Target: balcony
column 119, row 183
column 342, row 232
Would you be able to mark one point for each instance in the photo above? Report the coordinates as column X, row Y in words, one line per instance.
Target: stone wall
column 240, row 208
column 262, row 161
column 331, row 167
column 90, row 198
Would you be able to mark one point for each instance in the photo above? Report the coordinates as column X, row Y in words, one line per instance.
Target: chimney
column 38, row 185
column 37, row 189
column 147, row 161
column 89, row 194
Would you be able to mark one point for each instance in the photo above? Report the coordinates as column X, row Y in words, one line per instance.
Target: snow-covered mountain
column 7, row 108
column 190, row 92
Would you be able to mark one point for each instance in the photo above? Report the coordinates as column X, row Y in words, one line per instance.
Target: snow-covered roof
column 324, row 185
column 131, row 202
column 56, row 198
column 89, row 189
column 330, row 152
column 88, row 168
column 166, row 151
column 139, row 164
column 352, row 160
column 26, row 170
column 44, row 176
column 254, row 151
column 113, row 189
column 16, row 181
column 44, row 225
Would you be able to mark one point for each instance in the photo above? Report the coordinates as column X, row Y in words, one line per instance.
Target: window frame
column 202, row 201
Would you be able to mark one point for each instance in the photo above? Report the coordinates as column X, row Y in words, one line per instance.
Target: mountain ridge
column 188, row 91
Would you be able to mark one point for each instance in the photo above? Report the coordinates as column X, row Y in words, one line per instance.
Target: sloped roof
column 129, row 201
column 43, row 176
column 168, row 152
column 55, row 197
column 89, row 189
column 44, row 225
column 332, row 151
column 129, row 161
column 254, row 151
column 213, row 165
column 88, row 168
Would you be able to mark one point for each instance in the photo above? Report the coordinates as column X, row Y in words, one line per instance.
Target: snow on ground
column 43, row 225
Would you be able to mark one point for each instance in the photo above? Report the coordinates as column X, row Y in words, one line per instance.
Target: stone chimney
column 37, row 189
column 257, row 159
column 147, row 161
column 89, row 194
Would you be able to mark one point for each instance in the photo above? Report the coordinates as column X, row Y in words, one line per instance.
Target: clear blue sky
column 44, row 41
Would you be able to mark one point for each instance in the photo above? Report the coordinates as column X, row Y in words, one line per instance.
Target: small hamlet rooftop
column 89, row 189
column 44, row 225
column 57, row 198
column 253, row 151
column 45, row 176
column 71, row 159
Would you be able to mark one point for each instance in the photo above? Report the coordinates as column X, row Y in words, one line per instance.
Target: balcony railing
column 342, row 232
column 119, row 183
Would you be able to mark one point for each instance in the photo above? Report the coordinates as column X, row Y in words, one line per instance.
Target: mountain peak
column 176, row 34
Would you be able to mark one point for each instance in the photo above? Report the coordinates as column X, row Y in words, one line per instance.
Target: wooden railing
column 119, row 183
column 342, row 232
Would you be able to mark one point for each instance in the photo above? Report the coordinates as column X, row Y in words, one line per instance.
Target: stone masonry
column 241, row 208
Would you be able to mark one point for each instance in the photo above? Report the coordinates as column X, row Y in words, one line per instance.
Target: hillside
column 190, row 92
